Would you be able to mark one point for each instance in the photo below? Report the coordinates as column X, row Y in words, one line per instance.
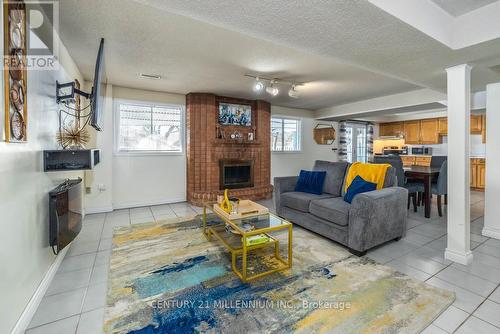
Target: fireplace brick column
column 204, row 150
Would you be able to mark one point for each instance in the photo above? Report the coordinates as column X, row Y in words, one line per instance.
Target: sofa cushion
column 358, row 186
column 391, row 179
column 335, row 172
column 299, row 200
column 311, row 182
column 335, row 210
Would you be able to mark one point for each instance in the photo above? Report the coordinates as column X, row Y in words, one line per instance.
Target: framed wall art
column 235, row 114
column 15, row 73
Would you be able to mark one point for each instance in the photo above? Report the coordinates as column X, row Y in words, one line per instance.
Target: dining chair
column 397, row 163
column 440, row 187
column 437, row 160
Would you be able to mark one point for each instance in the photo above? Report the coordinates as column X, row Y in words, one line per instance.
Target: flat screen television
column 98, row 90
column 65, row 213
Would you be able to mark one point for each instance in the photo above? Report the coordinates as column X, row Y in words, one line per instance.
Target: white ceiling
column 346, row 50
column 460, row 7
column 193, row 56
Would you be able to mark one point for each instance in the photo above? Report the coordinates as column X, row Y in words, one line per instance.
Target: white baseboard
column 102, row 209
column 30, row 309
column 128, row 205
column 458, row 257
column 491, row 232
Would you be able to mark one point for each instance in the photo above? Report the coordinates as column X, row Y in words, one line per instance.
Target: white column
column 492, row 190
column 458, row 249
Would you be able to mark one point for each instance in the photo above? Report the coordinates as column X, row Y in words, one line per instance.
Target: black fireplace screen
column 236, row 174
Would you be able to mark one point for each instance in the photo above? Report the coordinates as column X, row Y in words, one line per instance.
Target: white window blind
column 149, row 128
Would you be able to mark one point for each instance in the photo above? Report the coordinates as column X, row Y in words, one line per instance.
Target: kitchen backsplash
column 477, row 148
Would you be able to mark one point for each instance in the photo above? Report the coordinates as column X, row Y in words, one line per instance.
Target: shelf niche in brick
column 204, row 150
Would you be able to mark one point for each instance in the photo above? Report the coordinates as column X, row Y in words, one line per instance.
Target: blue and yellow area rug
column 168, row 278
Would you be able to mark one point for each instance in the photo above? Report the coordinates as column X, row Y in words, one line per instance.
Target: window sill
column 286, row 152
column 146, row 153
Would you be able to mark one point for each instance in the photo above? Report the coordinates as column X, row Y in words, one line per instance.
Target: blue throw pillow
column 310, row 182
column 358, row 186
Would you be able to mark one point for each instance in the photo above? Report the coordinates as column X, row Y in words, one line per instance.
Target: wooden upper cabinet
column 443, row 125
column 385, row 129
column 429, row 131
column 390, row 129
column 476, row 124
column 412, row 132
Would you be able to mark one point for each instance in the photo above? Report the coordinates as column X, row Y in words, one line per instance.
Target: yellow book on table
column 257, row 239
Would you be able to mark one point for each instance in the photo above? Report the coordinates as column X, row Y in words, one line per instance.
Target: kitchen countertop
column 472, row 156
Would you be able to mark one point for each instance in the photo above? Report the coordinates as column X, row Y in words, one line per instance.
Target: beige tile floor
column 74, row 303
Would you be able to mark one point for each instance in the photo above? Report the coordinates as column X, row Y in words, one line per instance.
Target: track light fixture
column 293, row 93
column 272, row 89
column 258, row 86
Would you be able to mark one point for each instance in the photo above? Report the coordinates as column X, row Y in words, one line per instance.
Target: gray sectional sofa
column 371, row 219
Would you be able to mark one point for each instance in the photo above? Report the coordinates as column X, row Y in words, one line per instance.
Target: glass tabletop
column 259, row 222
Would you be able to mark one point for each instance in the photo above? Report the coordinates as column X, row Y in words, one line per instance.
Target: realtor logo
column 30, row 33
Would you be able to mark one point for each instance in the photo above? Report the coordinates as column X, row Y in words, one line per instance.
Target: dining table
column 426, row 175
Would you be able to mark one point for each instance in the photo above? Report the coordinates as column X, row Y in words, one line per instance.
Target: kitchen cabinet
column 429, row 131
column 416, row 160
column 423, row 131
column 477, row 173
column 423, row 161
column 476, row 124
column 408, row 160
column 443, row 125
column 391, row 129
column 483, row 133
column 481, row 175
column 412, row 132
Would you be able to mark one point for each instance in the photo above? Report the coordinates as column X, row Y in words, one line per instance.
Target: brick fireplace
column 216, row 161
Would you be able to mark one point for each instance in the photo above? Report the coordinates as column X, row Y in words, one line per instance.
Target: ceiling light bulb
column 293, row 93
column 272, row 90
column 259, row 86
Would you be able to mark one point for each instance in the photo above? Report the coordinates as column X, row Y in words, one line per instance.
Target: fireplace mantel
column 205, row 150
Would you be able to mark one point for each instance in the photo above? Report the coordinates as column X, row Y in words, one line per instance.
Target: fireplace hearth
column 235, row 174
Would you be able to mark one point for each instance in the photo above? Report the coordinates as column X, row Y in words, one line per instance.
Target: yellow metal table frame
column 244, row 249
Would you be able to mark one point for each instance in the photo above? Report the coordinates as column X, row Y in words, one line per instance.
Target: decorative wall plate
column 17, row 95
column 17, row 125
column 16, row 15
column 16, row 37
column 16, row 64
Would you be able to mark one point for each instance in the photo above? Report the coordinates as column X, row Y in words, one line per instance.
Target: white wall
column 146, row 180
column 25, row 255
column 288, row 164
column 132, row 181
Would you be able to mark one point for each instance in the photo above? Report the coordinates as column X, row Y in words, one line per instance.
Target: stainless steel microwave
column 422, row 150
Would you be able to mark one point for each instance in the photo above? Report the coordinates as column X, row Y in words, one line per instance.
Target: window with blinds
column 285, row 134
column 142, row 128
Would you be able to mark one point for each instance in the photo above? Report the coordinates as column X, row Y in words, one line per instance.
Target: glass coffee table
column 236, row 241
